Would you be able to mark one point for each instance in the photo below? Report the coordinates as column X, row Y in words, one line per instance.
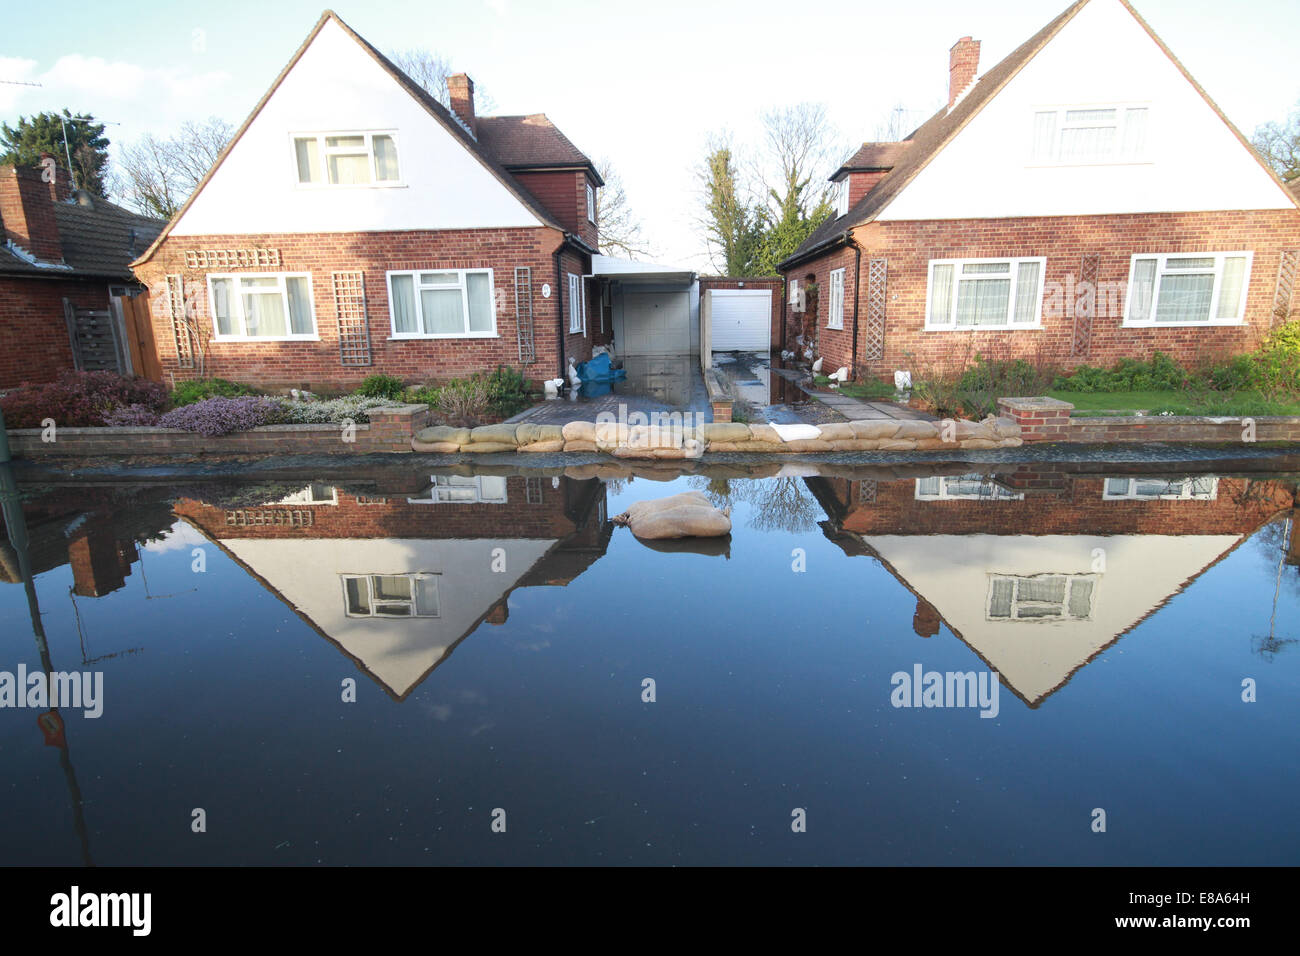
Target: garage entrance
column 741, row 320
column 656, row 323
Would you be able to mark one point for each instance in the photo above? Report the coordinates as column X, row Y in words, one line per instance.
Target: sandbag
column 436, row 447
column 901, row 444
column 910, row 428
column 493, row 435
column 446, row 433
column 724, row 431
column 485, row 447
column 682, row 521
column 875, row 429
column 575, row 445
column 579, row 431
column 543, row 446
column 837, row 431
column 641, row 508
column 764, row 432
column 527, row 433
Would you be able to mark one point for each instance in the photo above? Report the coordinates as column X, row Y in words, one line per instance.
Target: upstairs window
column 1091, row 135
column 391, row 595
column 1188, row 289
column 840, row 196
column 835, row 304
column 346, row 159
column 985, row 293
column 591, row 203
column 1041, row 597
column 261, row 306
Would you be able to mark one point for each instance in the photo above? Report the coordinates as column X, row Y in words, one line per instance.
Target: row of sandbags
column 649, row 441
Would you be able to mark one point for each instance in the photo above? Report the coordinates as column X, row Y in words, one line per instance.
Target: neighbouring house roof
column 435, row 109
column 938, row 131
column 873, row 157
column 530, row 142
column 100, row 240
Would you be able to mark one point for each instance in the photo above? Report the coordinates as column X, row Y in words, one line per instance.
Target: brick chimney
column 27, row 212
column 963, row 64
column 61, row 186
column 461, row 89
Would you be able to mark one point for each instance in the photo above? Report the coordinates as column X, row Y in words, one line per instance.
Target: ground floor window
column 464, row 489
column 269, row 305
column 835, row 305
column 967, row 487
column 1188, row 289
column 985, row 293
column 443, row 303
column 1205, row 488
column 577, row 305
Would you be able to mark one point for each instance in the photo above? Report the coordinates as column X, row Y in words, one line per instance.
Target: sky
column 644, row 84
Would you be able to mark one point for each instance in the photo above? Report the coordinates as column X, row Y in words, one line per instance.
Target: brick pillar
column 391, row 429
column 1040, row 418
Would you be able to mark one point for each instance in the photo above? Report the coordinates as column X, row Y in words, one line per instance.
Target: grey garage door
column 656, row 323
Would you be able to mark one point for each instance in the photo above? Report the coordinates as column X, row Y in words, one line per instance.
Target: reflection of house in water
column 94, row 530
column 1038, row 571
column 396, row 581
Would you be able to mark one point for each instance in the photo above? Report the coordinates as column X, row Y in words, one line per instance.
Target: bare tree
column 1279, row 144
column 800, row 149
column 620, row 229
column 431, row 70
column 157, row 175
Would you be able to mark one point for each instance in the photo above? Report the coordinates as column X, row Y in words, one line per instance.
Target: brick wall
column 862, row 183
column 1065, row 505
column 775, row 284
column 563, row 193
column 835, row 344
column 909, row 246
column 317, row 364
column 27, row 210
column 34, row 345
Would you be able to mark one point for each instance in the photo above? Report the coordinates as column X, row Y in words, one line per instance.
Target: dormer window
column 346, row 159
column 1092, row 135
column 841, row 197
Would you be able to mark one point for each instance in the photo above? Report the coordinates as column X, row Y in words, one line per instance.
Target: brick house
column 1082, row 201
column 355, row 226
column 66, row 288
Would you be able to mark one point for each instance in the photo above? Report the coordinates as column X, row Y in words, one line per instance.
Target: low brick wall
column 389, row 430
column 1049, row 419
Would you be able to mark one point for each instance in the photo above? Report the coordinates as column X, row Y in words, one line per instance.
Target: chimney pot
column 461, row 93
column 963, row 65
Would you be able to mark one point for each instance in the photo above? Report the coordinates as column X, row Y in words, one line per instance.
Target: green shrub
column 187, row 393
column 507, row 391
column 1162, row 373
column 382, row 386
column 463, row 400
column 355, row 408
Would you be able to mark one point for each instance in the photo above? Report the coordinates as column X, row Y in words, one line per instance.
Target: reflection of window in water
column 313, row 494
column 391, row 595
column 462, row 489
column 1054, row 597
column 1205, row 488
column 954, row 487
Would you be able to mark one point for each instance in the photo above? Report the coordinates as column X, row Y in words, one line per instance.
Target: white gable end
column 1191, row 161
column 336, row 85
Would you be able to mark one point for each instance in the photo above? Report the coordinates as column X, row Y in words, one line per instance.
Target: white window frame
column 577, row 304
column 323, row 152
column 411, row 576
column 835, row 301
column 306, row 496
column 591, row 203
column 946, row 482
column 842, row 196
column 1064, row 605
column 1008, row 326
column 462, row 283
column 241, row 319
column 1117, row 158
column 460, row 481
column 1184, row 493
column 1220, row 258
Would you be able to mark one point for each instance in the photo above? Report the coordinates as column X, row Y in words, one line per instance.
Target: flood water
column 390, row 667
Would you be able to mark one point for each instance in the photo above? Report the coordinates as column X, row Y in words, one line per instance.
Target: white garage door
column 656, row 323
column 742, row 320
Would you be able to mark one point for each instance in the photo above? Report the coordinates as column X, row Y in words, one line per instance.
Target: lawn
column 1175, row 402
column 869, row 390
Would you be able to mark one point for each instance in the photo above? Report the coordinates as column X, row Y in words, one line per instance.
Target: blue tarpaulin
column 599, row 370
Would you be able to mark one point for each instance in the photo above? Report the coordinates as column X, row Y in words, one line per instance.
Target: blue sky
column 641, row 83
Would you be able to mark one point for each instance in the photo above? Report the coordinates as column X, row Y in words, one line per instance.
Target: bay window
column 985, row 293
column 346, row 159
column 269, row 305
column 443, row 303
column 1199, row 288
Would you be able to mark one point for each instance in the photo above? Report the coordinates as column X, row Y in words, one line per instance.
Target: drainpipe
column 785, row 306
column 560, row 292
column 5, row 457
column 857, row 289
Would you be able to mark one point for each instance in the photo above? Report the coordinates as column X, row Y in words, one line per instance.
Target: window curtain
column 1234, row 279
column 1080, row 598
column 300, row 306
column 1135, row 133
column 385, row 158
column 1185, row 298
column 348, row 168
column 264, row 307
column 480, row 302
column 223, row 306
column 443, row 311
column 1044, row 137
column 308, row 160
column 1141, row 290
column 1027, row 292
column 405, row 318
column 983, row 301
column 941, row 295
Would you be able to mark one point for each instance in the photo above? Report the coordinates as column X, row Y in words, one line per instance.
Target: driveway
column 659, row 383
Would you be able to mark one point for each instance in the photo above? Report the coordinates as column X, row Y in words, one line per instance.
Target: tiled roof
column 98, row 240
column 524, row 142
column 874, row 156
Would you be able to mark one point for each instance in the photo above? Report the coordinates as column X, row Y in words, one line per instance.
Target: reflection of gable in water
column 1036, row 637
column 398, row 652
